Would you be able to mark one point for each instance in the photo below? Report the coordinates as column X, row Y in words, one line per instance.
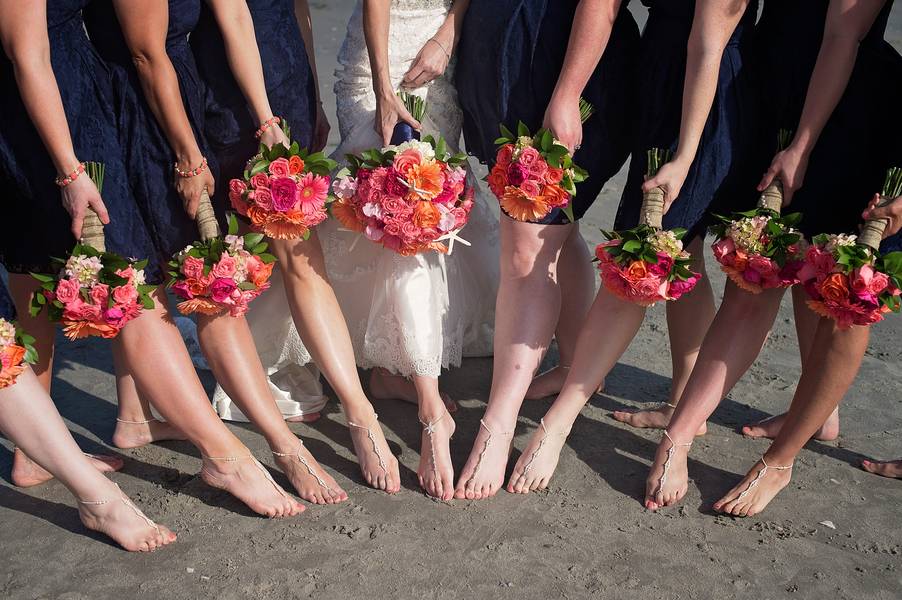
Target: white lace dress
column 410, row 315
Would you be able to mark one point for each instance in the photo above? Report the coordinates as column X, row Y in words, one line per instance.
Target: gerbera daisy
column 519, row 206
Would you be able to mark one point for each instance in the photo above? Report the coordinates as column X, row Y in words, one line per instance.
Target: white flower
column 426, row 150
column 665, row 241
column 83, row 269
column 835, row 241
column 234, row 242
column 7, row 333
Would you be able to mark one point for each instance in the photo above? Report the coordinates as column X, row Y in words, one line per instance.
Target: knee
column 524, row 261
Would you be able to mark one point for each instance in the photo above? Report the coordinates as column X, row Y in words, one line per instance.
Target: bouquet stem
column 772, row 196
column 92, row 227
column 873, row 229
column 652, row 211
column 403, row 132
column 207, row 224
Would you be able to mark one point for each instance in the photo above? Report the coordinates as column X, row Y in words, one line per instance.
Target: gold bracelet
column 439, row 44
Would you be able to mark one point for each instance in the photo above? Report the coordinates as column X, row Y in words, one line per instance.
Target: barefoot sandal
column 144, row 422
column 369, row 433
column 761, row 473
column 322, row 483
column 126, row 501
column 255, row 462
column 429, row 430
column 485, row 448
column 535, row 452
column 666, row 465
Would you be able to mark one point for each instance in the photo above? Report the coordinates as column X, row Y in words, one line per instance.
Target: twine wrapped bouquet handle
column 652, row 212
column 207, row 224
column 92, row 231
column 872, row 230
column 772, row 196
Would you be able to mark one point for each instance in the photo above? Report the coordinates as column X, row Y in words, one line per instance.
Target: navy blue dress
column 721, row 163
column 848, row 164
column 35, row 226
column 150, row 159
column 509, row 58
column 7, row 309
column 290, row 85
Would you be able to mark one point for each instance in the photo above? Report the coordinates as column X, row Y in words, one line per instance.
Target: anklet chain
column 255, row 462
column 485, row 448
column 145, row 422
column 761, row 473
column 303, row 461
column 535, row 453
column 666, row 465
column 429, row 429
column 369, row 433
column 126, row 501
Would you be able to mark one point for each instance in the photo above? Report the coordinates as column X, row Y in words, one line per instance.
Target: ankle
column 285, row 444
column 363, row 414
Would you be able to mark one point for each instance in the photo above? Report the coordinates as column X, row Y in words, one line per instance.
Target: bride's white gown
column 411, row 315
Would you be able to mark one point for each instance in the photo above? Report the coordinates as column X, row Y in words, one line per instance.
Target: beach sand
column 587, row 536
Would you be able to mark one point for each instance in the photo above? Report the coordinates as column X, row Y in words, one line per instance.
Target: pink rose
column 263, row 198
column 752, row 276
column 678, row 287
column 529, row 156
column 722, row 248
column 404, row 161
column 284, row 193
column 648, row 287
column 225, row 268
column 765, row 266
column 84, row 311
column 409, row 231
column 663, row 266
column 260, row 180
column 182, row 290
column 279, row 168
column 393, row 204
column 114, row 316
column 237, row 186
column 100, row 293
column 393, row 186
column 393, row 228
column 531, row 188
column 125, row 294
column 504, row 156
column 879, row 283
column 67, row 290
column 193, row 268
column 538, row 169
column 221, row 289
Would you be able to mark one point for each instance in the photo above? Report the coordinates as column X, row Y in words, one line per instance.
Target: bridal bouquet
column 409, row 198
column 95, row 293
column 535, row 174
column 647, row 264
column 847, row 279
column 221, row 274
column 16, row 351
column 284, row 191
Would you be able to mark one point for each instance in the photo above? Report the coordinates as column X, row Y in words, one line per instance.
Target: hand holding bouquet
column 16, row 351
column 535, row 174
column 284, row 191
column 95, row 293
column 219, row 275
column 847, row 279
column 646, row 264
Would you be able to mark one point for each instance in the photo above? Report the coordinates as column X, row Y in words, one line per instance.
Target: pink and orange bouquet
column 221, row 274
column 284, row 192
column 409, row 198
column 759, row 249
column 535, row 174
column 16, row 350
column 94, row 294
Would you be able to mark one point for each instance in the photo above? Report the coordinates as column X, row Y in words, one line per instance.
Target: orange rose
column 637, row 270
column 497, row 180
column 425, row 214
column 15, row 354
column 8, row 376
column 835, row 287
column 196, row 287
column 295, row 165
column 257, row 215
column 521, row 207
column 262, row 274
column 741, row 260
column 555, row 195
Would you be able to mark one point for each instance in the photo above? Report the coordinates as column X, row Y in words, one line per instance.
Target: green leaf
column 522, row 130
column 252, row 239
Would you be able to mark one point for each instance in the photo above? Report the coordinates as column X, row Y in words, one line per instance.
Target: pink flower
column 284, row 193
column 279, row 168
column 125, row 294
column 82, row 311
column 531, row 188
column 722, row 248
column 225, row 268
column 663, row 266
column 879, row 284
column 529, row 156
column 394, row 205
column 404, row 161
column 678, row 287
column 393, row 186
column 182, row 290
column 537, row 170
column 374, row 232
column 505, row 155
column 649, row 287
column 752, row 276
column 262, row 197
column 237, row 186
column 260, row 180
column 409, row 231
column 393, row 228
column 67, row 290
column 345, row 187
column 221, row 289
column 765, row 266
column 100, row 293
column 517, row 173
column 313, row 192
column 114, row 316
column 193, row 268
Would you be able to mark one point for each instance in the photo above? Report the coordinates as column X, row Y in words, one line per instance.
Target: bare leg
column 389, row 386
column 576, row 278
column 321, row 325
column 607, row 332
column 687, row 322
column 806, row 325
column 731, row 345
column 827, row 375
column 229, row 349
column 435, row 472
column 528, row 304
column 30, row 419
column 153, row 352
column 26, row 472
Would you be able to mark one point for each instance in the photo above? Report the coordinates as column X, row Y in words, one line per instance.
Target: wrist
column 189, row 159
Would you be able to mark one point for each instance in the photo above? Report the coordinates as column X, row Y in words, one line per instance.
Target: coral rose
column 295, row 165
column 637, row 270
column 279, row 168
column 834, row 287
column 193, row 268
column 67, row 290
column 425, row 214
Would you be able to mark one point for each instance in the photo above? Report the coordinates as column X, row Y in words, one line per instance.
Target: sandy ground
column 588, row 536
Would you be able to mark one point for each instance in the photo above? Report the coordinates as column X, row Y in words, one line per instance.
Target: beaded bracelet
column 64, row 180
column 193, row 172
column 266, row 125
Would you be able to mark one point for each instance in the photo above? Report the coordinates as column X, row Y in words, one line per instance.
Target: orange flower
column 497, row 180
column 425, row 214
column 555, row 195
column 346, row 215
column 835, row 288
column 426, row 179
column 262, row 275
column 196, row 287
column 521, row 207
column 199, row 305
column 15, row 354
column 295, row 165
column 741, row 261
column 8, row 376
column 637, row 270
column 75, row 330
column 257, row 215
column 740, row 281
column 285, row 226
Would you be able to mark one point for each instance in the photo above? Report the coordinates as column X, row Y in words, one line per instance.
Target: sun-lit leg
column 435, row 471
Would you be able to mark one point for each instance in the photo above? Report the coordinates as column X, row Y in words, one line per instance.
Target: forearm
column 449, row 33
column 592, row 25
column 237, row 27
column 375, row 29
column 305, row 24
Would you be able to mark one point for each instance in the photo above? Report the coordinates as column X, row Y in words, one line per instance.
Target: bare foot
column 378, row 465
column 885, row 468
column 536, row 465
column 27, row 473
column 770, row 428
column 308, row 418
column 755, row 491
column 249, row 481
column 651, row 418
column 310, row 480
column 388, row 386
column 116, row 517
column 436, row 472
column 550, row 383
column 668, row 478
column 483, row 475
column 134, row 434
